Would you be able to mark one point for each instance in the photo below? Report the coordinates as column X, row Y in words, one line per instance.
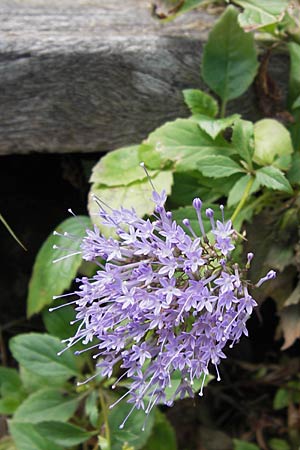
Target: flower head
column 164, row 300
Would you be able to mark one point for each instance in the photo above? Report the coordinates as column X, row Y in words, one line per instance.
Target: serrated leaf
column 271, row 140
column 163, row 435
column 119, row 167
column 199, row 102
column 273, row 178
column 63, row 434
column 33, row 382
column 11, row 376
column 47, row 404
column 281, row 399
column 213, row 127
column 261, row 13
column 237, row 191
column 218, row 166
column 38, row 353
column 132, row 433
column 184, row 143
column 243, row 140
column 294, row 78
column 229, row 62
column 27, row 437
column 9, row 404
column 49, row 279
column 137, row 195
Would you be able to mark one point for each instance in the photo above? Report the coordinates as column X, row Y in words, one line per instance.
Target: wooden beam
column 92, row 75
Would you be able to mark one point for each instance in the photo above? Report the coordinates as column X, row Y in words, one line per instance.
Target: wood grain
column 88, row 75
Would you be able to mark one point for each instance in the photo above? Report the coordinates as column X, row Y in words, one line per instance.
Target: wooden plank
column 92, row 75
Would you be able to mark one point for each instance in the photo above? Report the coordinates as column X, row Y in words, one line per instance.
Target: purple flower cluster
column 164, row 301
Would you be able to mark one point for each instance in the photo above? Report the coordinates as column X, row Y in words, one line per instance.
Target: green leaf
column 271, row 140
column 92, row 408
column 199, row 102
column 260, row 13
column 237, row 191
column 296, row 103
column 9, row 404
column 11, row 377
column 273, row 178
column 213, row 127
column 218, row 166
column 281, row 399
column 47, row 404
column 138, row 195
column 278, row 444
column 132, row 433
column 38, row 353
column 49, row 279
column 180, row 8
column 184, row 143
column 11, row 390
column 243, row 140
column 33, row 382
column 63, row 434
column 163, row 436
column 294, row 79
column 229, row 60
column 27, row 437
column 243, row 445
column 119, row 167
column 57, row 322
column 150, row 157
column 176, row 380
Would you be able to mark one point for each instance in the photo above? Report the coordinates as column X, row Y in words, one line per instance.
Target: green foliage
column 229, row 60
column 132, row 433
column 200, row 102
column 38, row 353
column 49, row 279
column 254, row 167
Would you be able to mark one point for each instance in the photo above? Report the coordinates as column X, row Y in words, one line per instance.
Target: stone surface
column 93, row 75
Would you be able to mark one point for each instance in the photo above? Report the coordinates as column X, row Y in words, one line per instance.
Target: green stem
column 105, row 417
column 243, row 199
column 223, row 109
column 11, row 232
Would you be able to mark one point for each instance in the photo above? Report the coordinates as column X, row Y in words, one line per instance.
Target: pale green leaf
column 273, row 178
column 218, row 166
column 260, row 13
column 229, row 60
column 271, row 140
column 199, row 102
column 243, row 140
column 213, row 127
column 119, row 167
column 296, row 103
column 137, row 195
column 38, row 353
column 49, row 279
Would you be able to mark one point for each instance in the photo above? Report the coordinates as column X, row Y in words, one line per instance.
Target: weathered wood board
column 92, row 75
